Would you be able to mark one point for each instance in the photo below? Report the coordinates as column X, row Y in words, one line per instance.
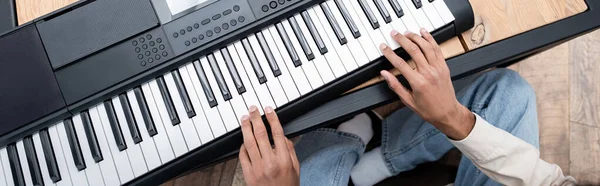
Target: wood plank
column 228, row 172
column 548, row 74
column 585, row 153
column 585, row 109
column 499, row 19
column 28, row 10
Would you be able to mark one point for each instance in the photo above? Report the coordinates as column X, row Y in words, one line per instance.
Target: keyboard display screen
column 178, row 6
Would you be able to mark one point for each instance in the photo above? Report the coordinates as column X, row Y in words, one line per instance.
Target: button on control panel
column 262, row 8
column 208, row 23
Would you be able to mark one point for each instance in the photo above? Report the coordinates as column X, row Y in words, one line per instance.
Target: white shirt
column 508, row 159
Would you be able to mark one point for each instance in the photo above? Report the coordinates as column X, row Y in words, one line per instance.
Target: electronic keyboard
column 128, row 92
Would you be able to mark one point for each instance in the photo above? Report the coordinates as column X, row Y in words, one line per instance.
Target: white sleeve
column 508, row 159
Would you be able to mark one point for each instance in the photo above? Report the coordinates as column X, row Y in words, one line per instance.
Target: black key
column 139, row 96
column 417, row 3
column 164, row 91
column 347, row 18
column 383, row 11
column 254, row 61
column 74, row 144
column 288, row 45
column 334, row 25
column 214, row 66
column 212, row 102
column 370, row 15
column 314, row 32
column 130, row 119
column 32, row 161
column 49, row 156
column 114, row 125
column 431, row 1
column 90, row 133
column 267, row 51
column 15, row 165
column 239, row 85
column 303, row 42
column 187, row 104
column 397, row 8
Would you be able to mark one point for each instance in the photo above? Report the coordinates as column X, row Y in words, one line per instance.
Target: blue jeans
column 501, row 97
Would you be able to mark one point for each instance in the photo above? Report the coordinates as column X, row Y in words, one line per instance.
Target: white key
column 309, row 68
column 227, row 115
column 360, row 57
column 396, row 23
column 442, row 9
column 77, row 177
column 65, row 176
column 120, row 158
column 385, row 28
column 249, row 96
column 261, row 90
column 174, row 132
column 370, row 38
column 408, row 19
column 161, row 139
column 202, row 125
column 2, row 179
column 320, row 63
column 285, row 63
column 147, row 145
column 24, row 164
column 419, row 16
column 237, row 102
column 39, row 152
column 274, row 86
column 92, row 170
column 107, row 165
column 212, row 114
column 6, row 171
column 432, row 14
column 331, row 56
column 186, row 125
column 341, row 50
column 288, row 85
column 136, row 158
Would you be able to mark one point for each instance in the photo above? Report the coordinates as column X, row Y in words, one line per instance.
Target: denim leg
column 501, row 97
column 327, row 156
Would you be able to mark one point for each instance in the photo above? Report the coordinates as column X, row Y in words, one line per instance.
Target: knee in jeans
column 513, row 84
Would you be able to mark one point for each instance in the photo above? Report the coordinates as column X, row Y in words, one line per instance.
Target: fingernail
column 407, row 32
column 252, row 108
column 423, row 30
column 382, row 46
column 245, row 118
column 382, row 75
column 394, row 33
column 268, row 109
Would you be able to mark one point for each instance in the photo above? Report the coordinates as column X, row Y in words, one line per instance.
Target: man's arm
column 500, row 155
column 508, row 159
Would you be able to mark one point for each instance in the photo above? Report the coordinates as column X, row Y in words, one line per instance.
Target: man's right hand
column 432, row 96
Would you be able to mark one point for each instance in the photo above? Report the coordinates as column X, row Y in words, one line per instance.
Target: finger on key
column 249, row 141
column 398, row 62
column 424, row 45
column 260, row 133
column 277, row 132
column 436, row 46
column 411, row 48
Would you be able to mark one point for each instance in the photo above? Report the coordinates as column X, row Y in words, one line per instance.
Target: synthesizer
column 112, row 92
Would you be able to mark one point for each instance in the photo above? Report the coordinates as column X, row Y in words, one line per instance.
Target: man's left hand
column 263, row 164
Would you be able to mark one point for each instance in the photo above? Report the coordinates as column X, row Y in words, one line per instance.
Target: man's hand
column 261, row 163
column 432, row 96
